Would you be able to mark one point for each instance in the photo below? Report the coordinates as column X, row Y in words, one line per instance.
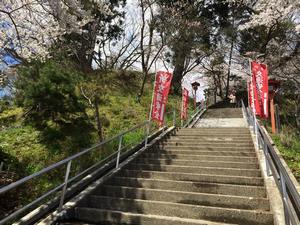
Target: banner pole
column 151, row 106
column 253, row 103
column 149, row 118
column 248, row 91
column 181, row 119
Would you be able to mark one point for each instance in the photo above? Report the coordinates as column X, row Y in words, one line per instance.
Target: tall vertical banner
column 160, row 95
column 260, row 89
column 184, row 104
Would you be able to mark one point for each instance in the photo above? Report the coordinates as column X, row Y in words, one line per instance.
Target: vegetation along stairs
column 206, row 175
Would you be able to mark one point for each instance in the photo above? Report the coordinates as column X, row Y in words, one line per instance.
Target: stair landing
column 222, row 117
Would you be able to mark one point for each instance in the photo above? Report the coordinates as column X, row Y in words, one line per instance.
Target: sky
column 8, row 61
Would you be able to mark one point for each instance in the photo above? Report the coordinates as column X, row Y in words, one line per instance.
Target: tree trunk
column 215, row 96
column 179, row 61
column 297, row 111
column 215, row 88
column 229, row 68
column 146, row 53
column 145, row 75
column 97, row 117
column 220, row 87
column 143, row 53
column 177, row 77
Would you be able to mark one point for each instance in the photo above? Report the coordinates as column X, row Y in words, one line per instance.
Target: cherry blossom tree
column 269, row 12
column 273, row 33
column 30, row 27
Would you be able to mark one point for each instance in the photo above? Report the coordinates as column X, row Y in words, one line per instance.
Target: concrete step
column 221, row 122
column 190, row 186
column 217, row 128
column 196, row 169
column 227, row 201
column 214, row 134
column 205, row 152
column 209, row 178
column 205, row 163
column 213, row 138
column 215, row 214
column 210, row 140
column 230, row 119
column 184, row 149
column 74, row 223
column 201, row 132
column 217, row 144
column 221, row 129
column 185, row 134
column 109, row 217
column 196, row 142
column 199, row 147
column 201, row 157
column 207, row 144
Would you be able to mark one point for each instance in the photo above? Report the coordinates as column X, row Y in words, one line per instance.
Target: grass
column 33, row 149
column 10, row 116
column 288, row 143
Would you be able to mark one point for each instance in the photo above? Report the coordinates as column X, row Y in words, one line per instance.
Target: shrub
column 47, row 91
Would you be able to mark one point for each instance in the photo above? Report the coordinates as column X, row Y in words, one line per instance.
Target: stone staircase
column 198, row 176
column 222, row 117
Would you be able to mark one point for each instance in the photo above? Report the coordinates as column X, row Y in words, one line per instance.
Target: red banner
column 160, row 98
column 260, row 89
column 184, row 104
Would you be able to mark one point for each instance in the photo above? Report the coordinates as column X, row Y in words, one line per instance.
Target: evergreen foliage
column 47, row 91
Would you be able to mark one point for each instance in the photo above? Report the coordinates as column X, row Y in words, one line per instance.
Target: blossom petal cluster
column 270, row 12
column 28, row 28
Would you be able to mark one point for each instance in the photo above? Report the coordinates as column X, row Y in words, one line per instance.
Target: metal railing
column 290, row 195
column 195, row 115
column 119, row 146
column 68, row 162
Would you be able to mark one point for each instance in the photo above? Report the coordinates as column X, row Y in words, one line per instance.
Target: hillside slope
column 25, row 149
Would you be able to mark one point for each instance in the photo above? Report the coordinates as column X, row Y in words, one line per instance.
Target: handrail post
column 119, row 151
column 265, row 148
column 147, row 131
column 255, row 130
column 62, row 198
column 259, row 141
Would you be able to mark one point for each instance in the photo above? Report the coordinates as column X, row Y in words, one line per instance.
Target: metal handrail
column 199, row 110
column 290, row 195
column 62, row 162
column 68, row 162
